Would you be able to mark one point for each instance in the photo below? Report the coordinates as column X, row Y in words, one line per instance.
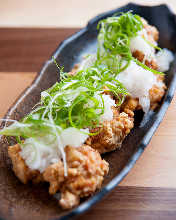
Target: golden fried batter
column 150, row 63
column 20, row 169
column 153, row 35
column 151, row 30
column 130, row 105
column 155, row 94
column 85, row 170
column 112, row 133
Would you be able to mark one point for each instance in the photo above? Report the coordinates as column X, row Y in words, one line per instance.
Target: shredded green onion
column 67, row 103
column 114, row 38
column 152, row 45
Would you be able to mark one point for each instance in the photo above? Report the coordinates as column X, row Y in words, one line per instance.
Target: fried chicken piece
column 20, row 169
column 150, row 63
column 85, row 173
column 153, row 35
column 111, row 133
column 68, row 200
column 130, row 105
column 74, row 70
column 155, row 94
column 151, row 30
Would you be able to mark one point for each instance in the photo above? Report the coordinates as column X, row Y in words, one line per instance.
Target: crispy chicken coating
column 111, row 133
column 130, row 105
column 20, row 169
column 85, row 168
column 150, row 63
column 155, row 94
column 151, row 30
column 85, row 173
column 153, row 35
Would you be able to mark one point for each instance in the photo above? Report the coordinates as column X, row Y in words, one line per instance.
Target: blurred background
column 59, row 13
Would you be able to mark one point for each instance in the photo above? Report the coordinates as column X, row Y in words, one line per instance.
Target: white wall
column 59, row 13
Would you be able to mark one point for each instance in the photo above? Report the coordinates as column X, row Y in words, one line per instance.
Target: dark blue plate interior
column 21, row 200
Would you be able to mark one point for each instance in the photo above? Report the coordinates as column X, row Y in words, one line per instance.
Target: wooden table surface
column 149, row 190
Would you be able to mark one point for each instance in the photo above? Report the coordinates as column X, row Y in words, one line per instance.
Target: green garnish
column 76, row 101
column 114, row 39
column 146, row 67
column 115, row 32
column 71, row 103
column 152, row 45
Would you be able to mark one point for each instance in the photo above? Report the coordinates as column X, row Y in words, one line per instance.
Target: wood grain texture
column 11, row 86
column 149, row 191
column 156, row 167
column 135, row 203
column 26, row 49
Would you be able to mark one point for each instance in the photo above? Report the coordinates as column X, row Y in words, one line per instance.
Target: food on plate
column 91, row 110
column 85, row 170
column 111, row 133
column 22, row 171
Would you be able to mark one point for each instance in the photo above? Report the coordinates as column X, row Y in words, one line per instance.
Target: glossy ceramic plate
column 30, row 202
